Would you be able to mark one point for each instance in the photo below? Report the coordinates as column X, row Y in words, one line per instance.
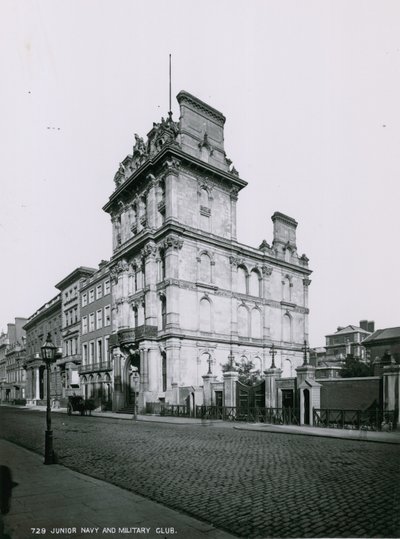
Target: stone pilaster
column 150, row 271
column 233, row 197
column 271, row 392
column 171, row 171
column 230, row 379
column 208, row 379
column 172, row 245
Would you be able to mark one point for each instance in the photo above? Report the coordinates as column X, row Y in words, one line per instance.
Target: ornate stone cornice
column 149, row 250
column 172, row 241
column 171, row 167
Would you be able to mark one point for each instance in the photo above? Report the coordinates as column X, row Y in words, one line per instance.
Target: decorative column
column 234, row 261
column 154, row 368
column 233, row 196
column 172, row 245
column 37, row 383
column 173, row 349
column 151, row 201
column 306, row 284
column 150, row 272
column 266, row 293
column 171, row 173
column 118, row 397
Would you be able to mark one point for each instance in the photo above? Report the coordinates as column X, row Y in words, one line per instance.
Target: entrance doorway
column 306, row 394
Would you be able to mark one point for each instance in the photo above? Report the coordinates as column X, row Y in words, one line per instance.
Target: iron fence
column 279, row 416
column 355, row 419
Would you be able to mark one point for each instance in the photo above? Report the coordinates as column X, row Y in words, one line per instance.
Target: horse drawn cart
column 76, row 404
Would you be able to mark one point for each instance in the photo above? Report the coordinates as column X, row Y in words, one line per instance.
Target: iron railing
column 355, row 419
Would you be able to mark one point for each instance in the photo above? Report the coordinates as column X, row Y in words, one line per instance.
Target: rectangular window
column 107, row 315
column 107, row 348
column 99, row 291
column 99, row 319
column 91, row 295
column 84, row 299
column 84, row 325
column 91, row 352
column 99, row 351
column 91, row 322
column 107, row 287
column 84, row 353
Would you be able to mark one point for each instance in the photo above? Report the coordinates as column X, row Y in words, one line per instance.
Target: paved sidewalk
column 52, row 497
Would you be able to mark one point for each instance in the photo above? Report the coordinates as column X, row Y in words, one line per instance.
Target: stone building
column 15, row 376
column 96, row 368
column 187, row 296
column 4, row 389
column 384, row 341
column 71, row 358
column 47, row 319
column 348, row 341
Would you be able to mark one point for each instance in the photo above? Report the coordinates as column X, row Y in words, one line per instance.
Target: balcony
column 132, row 335
column 95, row 367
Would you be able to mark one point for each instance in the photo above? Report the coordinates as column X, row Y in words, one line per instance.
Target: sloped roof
column 381, row 334
column 349, row 329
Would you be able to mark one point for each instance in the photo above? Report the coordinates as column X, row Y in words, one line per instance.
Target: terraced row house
column 187, row 296
column 12, row 362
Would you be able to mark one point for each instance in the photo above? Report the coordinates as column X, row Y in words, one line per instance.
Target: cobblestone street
column 252, row 484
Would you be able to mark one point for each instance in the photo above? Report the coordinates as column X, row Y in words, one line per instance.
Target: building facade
column 187, row 296
column 348, row 341
column 384, row 341
column 4, row 389
column 15, row 361
column 47, row 319
column 71, row 358
column 96, row 369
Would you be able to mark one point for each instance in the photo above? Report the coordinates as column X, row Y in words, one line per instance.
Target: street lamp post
column 48, row 350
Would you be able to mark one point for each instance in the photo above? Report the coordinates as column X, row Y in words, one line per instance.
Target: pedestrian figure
column 6, row 486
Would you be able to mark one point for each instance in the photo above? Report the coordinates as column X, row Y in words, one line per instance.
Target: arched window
column 254, row 284
column 286, row 289
column 287, row 328
column 163, row 312
column 242, row 280
column 258, row 364
column 204, row 198
column 243, row 321
column 135, row 316
column 256, row 324
column 205, row 315
column 205, row 268
column 161, row 266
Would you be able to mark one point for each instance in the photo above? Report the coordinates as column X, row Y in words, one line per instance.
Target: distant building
column 382, row 341
column 47, row 319
column 348, row 341
column 96, row 368
column 15, row 361
column 71, row 328
column 4, row 342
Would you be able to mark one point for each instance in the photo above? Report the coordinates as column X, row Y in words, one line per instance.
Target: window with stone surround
column 287, row 328
column 107, row 315
column 205, row 315
column 91, row 322
column 242, row 276
column 255, row 283
column 205, row 268
column 84, row 325
column 243, row 321
column 107, row 287
column 84, row 299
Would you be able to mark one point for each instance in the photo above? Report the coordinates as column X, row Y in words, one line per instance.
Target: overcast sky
column 311, row 93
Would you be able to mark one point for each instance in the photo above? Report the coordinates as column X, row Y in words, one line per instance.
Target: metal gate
column 249, row 399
